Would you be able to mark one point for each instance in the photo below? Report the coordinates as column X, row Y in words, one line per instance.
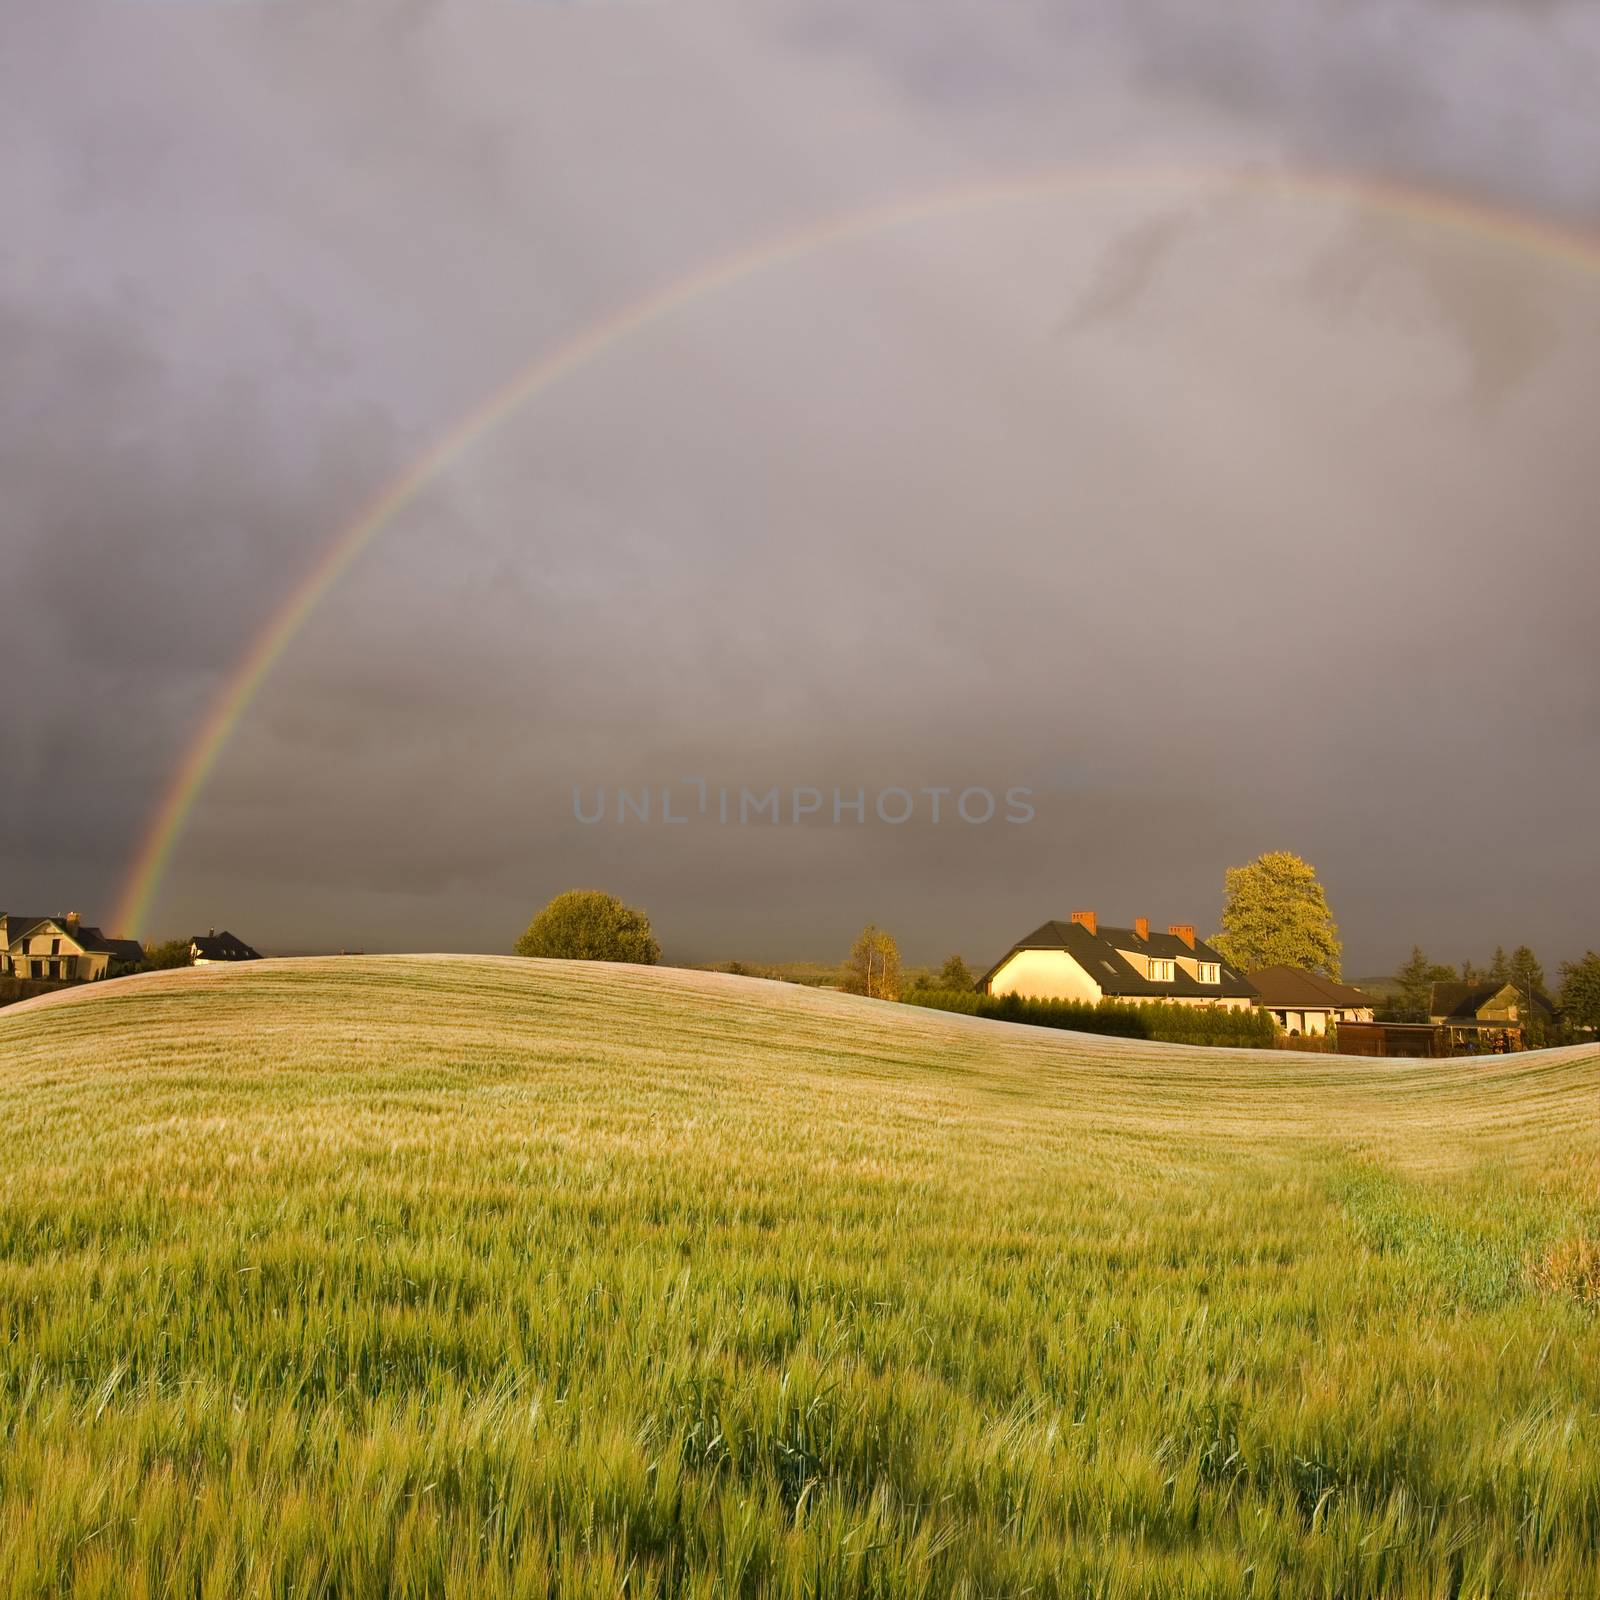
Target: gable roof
column 87, row 937
column 18, row 925
column 223, row 946
column 1100, row 955
column 129, row 950
column 1292, row 987
column 1461, row 1002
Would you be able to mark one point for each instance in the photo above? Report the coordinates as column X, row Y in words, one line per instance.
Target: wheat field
column 479, row 1278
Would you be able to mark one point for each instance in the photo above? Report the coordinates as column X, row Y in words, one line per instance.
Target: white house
column 1080, row 960
column 208, row 949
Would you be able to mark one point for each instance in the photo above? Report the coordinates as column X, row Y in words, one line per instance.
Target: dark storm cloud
column 140, row 527
column 1223, row 527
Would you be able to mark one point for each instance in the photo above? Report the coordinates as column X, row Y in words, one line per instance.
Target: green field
column 484, row 1277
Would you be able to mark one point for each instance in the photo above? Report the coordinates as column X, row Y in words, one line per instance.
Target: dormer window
column 1160, row 971
column 1207, row 972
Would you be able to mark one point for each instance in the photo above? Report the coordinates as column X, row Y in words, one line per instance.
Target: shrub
column 166, row 955
column 1173, row 1024
column 586, row 925
column 14, row 989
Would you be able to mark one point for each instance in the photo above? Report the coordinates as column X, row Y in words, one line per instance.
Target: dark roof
column 223, row 946
column 17, row 924
column 1461, row 1002
column 87, row 936
column 1295, row 988
column 1099, row 954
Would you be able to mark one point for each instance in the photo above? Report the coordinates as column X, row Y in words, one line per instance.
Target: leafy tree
column 586, row 925
column 1470, row 973
column 874, row 965
column 1580, row 991
column 168, row 953
column 1277, row 914
column 955, row 974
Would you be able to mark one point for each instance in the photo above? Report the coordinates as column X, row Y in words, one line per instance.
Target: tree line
column 1576, row 999
column 1276, row 913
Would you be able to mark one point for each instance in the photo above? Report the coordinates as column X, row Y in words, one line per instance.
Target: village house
column 210, row 949
column 1308, row 1003
column 1080, row 960
column 62, row 949
column 1484, row 1016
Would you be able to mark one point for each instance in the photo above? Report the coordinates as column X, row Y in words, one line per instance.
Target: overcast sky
column 1224, row 517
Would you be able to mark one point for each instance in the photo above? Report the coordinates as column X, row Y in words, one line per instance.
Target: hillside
column 487, row 1277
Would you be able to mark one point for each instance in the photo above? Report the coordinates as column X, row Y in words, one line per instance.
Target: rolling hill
column 462, row 1276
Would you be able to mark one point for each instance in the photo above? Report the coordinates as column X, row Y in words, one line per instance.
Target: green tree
column 159, row 957
column 1580, row 992
column 1416, row 980
column 586, row 925
column 1277, row 915
column 1526, row 976
column 1525, row 972
column 1500, row 968
column 954, row 974
column 874, row 965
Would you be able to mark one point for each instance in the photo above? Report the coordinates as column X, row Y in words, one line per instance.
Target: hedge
column 1251, row 1029
column 14, row 989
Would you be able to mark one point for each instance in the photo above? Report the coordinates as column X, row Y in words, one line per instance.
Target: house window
column 1208, row 972
column 1160, row 971
column 55, row 947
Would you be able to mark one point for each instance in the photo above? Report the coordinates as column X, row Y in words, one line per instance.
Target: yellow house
column 61, row 949
column 1478, row 1014
column 1081, row 960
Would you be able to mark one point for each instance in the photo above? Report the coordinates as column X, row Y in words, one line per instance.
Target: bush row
column 1250, row 1029
column 15, row 989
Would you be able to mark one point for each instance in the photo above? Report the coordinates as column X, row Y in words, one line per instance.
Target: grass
column 483, row 1278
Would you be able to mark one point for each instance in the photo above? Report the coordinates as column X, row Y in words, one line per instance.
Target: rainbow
column 153, row 855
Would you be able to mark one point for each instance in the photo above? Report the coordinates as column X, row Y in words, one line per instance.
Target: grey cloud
column 1126, row 270
column 1496, row 99
column 1218, row 564
column 1507, row 319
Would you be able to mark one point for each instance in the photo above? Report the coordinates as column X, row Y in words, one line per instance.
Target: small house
column 1304, row 1003
column 210, row 949
column 1487, row 1016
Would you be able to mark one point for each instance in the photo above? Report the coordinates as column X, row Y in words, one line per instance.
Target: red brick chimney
column 1086, row 919
column 1184, row 931
column 1141, row 926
